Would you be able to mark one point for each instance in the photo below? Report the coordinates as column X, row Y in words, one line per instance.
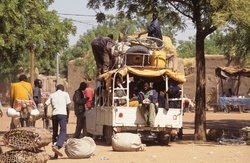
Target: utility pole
column 32, row 64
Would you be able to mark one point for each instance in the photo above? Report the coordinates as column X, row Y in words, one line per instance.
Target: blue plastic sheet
column 235, row 101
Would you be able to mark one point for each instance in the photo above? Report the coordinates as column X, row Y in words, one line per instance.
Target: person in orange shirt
column 20, row 90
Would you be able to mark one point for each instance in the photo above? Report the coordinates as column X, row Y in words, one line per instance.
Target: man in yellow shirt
column 20, row 91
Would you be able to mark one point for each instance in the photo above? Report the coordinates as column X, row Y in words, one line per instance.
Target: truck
column 114, row 109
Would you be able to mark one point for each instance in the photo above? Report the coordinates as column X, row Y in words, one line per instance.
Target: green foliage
column 236, row 44
column 28, row 23
column 186, row 49
column 211, row 46
column 231, row 11
column 136, row 10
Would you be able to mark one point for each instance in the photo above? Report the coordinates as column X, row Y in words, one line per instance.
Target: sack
column 18, row 104
column 30, row 138
column 49, row 111
column 127, row 142
column 38, row 156
column 34, row 112
column 41, row 111
column 80, row 148
column 11, row 112
column 146, row 101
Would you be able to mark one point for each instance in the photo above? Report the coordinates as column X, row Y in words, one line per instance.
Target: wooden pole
column 32, row 65
column 238, row 85
column 222, row 86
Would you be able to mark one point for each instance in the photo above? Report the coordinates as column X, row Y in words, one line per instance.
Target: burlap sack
column 41, row 111
column 24, row 156
column 80, row 148
column 127, row 142
column 30, row 138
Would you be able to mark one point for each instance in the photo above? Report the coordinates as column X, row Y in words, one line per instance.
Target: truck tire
column 133, row 59
column 163, row 138
column 107, row 134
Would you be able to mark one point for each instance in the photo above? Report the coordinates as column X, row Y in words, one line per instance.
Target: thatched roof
column 229, row 72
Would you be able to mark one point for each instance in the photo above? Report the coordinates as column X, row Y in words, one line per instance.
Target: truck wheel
column 133, row 59
column 107, row 133
column 163, row 138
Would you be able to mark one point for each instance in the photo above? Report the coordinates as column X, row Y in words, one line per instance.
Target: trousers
column 101, row 58
column 80, row 125
column 148, row 113
column 61, row 137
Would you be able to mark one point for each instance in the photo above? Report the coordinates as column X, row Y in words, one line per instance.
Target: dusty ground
column 178, row 151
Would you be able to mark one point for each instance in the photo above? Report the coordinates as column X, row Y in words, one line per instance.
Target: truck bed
column 130, row 117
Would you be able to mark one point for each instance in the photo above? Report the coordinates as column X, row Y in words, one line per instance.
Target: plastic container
column 159, row 59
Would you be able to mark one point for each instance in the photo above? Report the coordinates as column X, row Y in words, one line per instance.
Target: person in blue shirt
column 154, row 29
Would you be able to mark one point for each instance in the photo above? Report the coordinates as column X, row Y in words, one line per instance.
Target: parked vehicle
column 114, row 110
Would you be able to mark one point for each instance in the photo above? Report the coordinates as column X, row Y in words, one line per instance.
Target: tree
column 236, row 44
column 186, row 49
column 27, row 27
column 207, row 16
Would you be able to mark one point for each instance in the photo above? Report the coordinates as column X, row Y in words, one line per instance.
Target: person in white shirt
column 60, row 102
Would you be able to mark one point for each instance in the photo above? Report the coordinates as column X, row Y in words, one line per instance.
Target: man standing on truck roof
column 101, row 47
column 154, row 29
column 148, row 99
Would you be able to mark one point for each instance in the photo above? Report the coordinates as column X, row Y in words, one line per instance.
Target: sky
column 84, row 18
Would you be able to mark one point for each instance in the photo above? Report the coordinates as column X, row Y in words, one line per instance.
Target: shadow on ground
column 226, row 124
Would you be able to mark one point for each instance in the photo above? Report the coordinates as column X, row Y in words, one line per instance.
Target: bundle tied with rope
column 27, row 138
column 24, row 156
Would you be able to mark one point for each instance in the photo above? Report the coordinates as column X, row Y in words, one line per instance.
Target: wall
column 213, row 86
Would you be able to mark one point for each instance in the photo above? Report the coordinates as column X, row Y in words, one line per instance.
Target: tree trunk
column 200, row 97
column 32, row 65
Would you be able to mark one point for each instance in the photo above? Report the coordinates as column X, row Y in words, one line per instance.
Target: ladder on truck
column 119, row 92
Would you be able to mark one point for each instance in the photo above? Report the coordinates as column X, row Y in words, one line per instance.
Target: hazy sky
column 85, row 18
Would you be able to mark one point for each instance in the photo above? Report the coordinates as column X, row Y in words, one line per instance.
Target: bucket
column 159, row 59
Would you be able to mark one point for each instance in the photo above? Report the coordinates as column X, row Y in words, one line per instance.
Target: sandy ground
column 178, row 151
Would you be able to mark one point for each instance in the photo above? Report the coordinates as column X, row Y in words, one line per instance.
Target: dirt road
column 179, row 151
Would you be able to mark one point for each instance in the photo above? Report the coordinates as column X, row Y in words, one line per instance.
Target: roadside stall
column 242, row 102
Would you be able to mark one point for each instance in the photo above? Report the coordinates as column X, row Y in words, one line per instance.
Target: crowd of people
column 60, row 102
